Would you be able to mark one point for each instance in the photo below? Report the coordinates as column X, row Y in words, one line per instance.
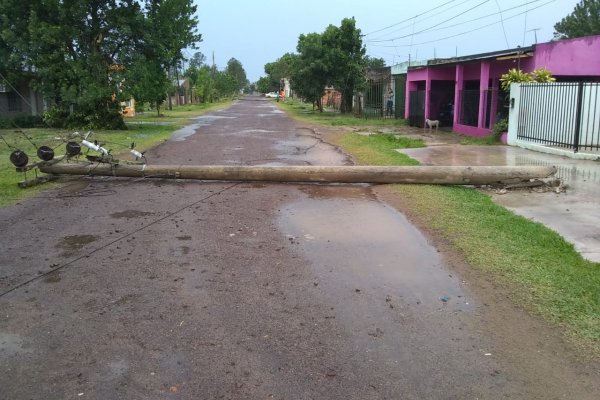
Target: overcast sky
column 256, row 32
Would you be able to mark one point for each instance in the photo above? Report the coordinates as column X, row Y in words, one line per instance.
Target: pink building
column 464, row 92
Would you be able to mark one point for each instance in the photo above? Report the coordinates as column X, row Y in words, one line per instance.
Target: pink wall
column 443, row 74
column 417, row 74
column 571, row 57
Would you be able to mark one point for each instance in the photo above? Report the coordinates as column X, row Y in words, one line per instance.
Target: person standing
column 389, row 105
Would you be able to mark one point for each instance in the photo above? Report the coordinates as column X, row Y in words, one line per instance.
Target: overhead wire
column 117, row 240
column 469, row 31
column 483, row 17
column 502, row 22
column 440, row 10
column 433, row 26
column 411, row 18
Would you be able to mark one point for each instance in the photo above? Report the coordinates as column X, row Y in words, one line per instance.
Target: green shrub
column 56, row 117
column 20, row 121
column 500, row 127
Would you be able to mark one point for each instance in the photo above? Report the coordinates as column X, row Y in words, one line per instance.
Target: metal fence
column 469, row 110
column 564, row 114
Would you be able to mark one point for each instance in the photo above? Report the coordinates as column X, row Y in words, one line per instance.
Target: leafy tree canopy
column 583, row 21
column 197, row 60
column 85, row 54
column 236, row 70
column 372, row 62
column 311, row 71
column 335, row 57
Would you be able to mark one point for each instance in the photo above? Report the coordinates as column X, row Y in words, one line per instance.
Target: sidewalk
column 575, row 214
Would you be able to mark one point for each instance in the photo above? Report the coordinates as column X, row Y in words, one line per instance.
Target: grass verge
column 146, row 130
column 304, row 111
column 543, row 272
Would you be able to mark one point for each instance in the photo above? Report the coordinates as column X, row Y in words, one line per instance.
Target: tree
column 264, row 84
column 311, row 72
column 281, row 68
column 171, row 27
column 583, row 21
column 346, row 59
column 14, row 39
column 81, row 51
column 225, row 84
column 236, row 70
column 148, row 82
column 197, row 60
column 374, row 63
column 77, row 49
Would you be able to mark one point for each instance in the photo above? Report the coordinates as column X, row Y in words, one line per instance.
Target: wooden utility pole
column 448, row 175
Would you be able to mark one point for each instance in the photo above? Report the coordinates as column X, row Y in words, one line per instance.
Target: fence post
column 513, row 113
column 578, row 117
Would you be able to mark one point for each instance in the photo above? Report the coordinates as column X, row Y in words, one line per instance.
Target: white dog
column 432, row 124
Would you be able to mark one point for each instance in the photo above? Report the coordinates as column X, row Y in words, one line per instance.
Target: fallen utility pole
column 448, row 175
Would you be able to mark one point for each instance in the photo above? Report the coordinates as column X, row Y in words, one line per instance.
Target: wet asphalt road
column 153, row 289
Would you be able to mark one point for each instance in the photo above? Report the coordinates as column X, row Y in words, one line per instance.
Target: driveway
column 574, row 214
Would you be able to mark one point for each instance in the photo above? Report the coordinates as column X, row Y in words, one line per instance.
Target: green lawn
column 146, row 130
column 329, row 117
column 542, row 271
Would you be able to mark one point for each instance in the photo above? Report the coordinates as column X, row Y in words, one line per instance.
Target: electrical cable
column 411, row 18
column 442, row 11
column 88, row 254
column 475, row 19
column 465, row 32
column 434, row 26
column 502, row 22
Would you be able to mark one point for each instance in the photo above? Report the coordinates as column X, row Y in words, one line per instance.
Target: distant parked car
column 271, row 94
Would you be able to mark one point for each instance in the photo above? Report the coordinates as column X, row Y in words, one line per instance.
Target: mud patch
column 130, row 214
column 71, row 244
column 76, row 242
column 332, row 191
column 74, row 187
column 53, row 277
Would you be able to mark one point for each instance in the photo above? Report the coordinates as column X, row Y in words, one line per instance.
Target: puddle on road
column 189, row 130
column 580, row 175
column 357, row 245
column 306, row 148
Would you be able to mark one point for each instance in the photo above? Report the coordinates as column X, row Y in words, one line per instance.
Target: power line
column 502, row 22
column 471, row 20
column 436, row 25
column 411, row 18
column 440, row 9
column 466, row 32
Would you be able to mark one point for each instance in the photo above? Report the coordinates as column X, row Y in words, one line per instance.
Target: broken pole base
column 446, row 175
column 38, row 180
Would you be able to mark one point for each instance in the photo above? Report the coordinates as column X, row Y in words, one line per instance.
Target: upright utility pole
column 534, row 33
